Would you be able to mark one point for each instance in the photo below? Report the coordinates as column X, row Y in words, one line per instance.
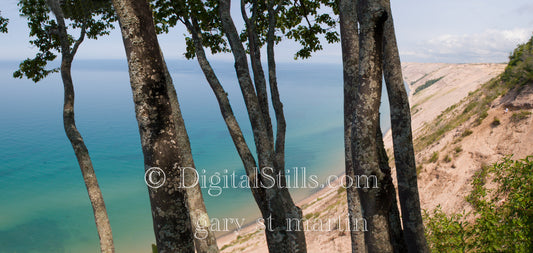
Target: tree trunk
column 284, row 230
column 350, row 60
column 82, row 153
column 161, row 141
column 375, row 201
column 402, row 140
column 396, row 232
column 84, row 160
column 257, row 68
column 234, row 129
column 204, row 238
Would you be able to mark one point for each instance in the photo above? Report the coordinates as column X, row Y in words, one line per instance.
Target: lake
column 44, row 203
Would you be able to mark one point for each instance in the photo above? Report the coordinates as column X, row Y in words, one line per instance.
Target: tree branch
column 226, row 111
column 80, row 39
column 62, row 28
column 279, row 151
column 263, row 145
column 257, row 68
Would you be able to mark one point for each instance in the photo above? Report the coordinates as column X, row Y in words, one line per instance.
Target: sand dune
column 444, row 182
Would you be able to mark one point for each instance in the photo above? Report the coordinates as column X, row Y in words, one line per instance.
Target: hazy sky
column 452, row 31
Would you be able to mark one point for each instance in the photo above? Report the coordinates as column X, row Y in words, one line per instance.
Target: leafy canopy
column 304, row 21
column 93, row 18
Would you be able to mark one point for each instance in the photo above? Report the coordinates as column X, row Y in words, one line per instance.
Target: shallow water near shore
column 44, row 203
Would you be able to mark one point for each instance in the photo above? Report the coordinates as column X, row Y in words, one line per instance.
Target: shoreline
column 251, row 227
column 228, row 237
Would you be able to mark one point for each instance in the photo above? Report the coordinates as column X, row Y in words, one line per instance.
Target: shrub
column 311, row 216
column 519, row 70
column 467, row 132
column 519, row 116
column 445, row 233
column 503, row 217
column 458, row 149
column 434, row 157
column 419, row 168
column 481, row 117
column 496, row 122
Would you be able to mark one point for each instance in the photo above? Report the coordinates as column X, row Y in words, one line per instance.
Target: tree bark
column 234, row 129
column 375, row 202
column 82, row 153
column 402, row 140
column 296, row 239
column 281, row 125
column 396, row 232
column 204, row 238
column 284, row 232
column 257, row 68
column 84, row 160
column 350, row 59
column 161, row 139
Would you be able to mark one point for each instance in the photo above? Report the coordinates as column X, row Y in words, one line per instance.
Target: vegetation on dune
column 434, row 157
column 519, row 116
column 427, row 84
column 518, row 73
column 503, row 213
column 496, row 122
column 422, row 77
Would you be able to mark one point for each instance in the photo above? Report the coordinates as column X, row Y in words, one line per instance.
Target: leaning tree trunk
column 234, row 129
column 82, row 153
column 84, row 160
column 161, row 141
column 396, row 232
column 375, row 201
column 350, row 60
column 402, row 137
column 285, row 232
column 204, row 238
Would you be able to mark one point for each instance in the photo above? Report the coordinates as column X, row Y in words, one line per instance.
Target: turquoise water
column 43, row 201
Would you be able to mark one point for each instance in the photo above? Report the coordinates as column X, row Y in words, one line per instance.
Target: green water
column 43, row 201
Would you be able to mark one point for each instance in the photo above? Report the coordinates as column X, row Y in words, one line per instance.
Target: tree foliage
column 303, row 21
column 93, row 18
column 210, row 25
column 168, row 14
column 3, row 24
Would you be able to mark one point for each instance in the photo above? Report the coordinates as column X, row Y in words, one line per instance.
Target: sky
column 451, row 31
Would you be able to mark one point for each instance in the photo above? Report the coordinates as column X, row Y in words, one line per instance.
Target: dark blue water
column 43, row 201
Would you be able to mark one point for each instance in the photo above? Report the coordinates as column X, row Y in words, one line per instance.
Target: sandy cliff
column 443, row 180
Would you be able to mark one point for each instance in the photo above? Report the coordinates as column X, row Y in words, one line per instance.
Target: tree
column 93, row 19
column 211, row 26
column 402, row 136
column 350, row 58
column 369, row 50
column 178, row 214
